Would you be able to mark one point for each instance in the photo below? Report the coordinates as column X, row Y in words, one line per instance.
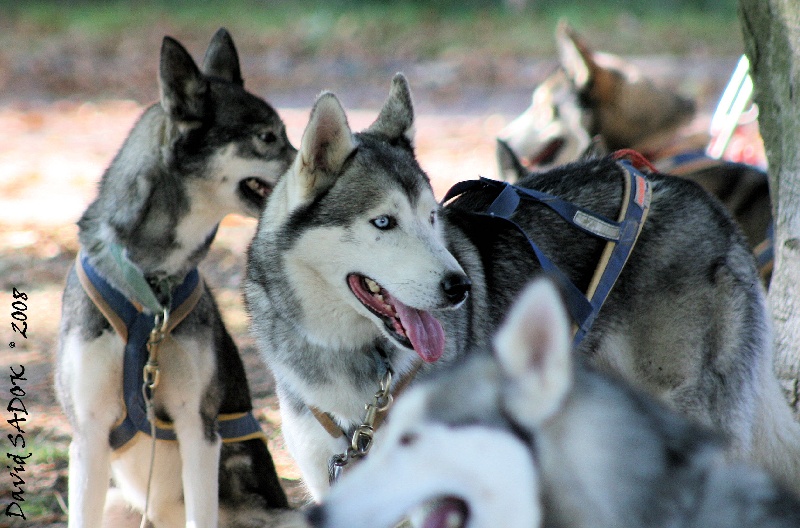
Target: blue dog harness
column 134, row 325
column 621, row 235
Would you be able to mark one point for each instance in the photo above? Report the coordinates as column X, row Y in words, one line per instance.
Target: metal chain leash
column 361, row 440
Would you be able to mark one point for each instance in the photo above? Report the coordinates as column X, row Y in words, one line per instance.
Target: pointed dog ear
column 510, row 166
column 575, row 56
column 396, row 118
column 533, row 348
column 222, row 60
column 578, row 61
column 183, row 87
column 327, row 142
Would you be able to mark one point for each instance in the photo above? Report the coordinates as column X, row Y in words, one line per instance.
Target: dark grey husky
column 536, row 435
column 356, row 271
column 209, row 148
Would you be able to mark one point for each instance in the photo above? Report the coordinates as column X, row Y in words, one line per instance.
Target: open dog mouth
column 255, row 190
column 411, row 328
column 449, row 512
column 548, row 154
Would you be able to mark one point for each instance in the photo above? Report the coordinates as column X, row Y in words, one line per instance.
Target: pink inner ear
column 543, row 325
column 327, row 140
column 540, row 344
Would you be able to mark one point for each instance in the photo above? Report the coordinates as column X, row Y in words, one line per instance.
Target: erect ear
column 222, row 60
column 578, row 61
column 597, row 148
column 533, row 348
column 326, row 144
column 510, row 166
column 576, row 58
column 183, row 87
column 396, row 118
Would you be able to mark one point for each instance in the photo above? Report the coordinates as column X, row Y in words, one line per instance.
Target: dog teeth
column 255, row 186
column 373, row 286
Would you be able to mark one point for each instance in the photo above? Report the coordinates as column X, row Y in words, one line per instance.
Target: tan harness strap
column 111, row 316
column 326, row 422
column 609, row 247
column 116, row 322
column 335, row 431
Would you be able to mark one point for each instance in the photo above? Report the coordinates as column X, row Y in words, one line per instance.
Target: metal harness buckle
column 362, row 436
column 151, row 373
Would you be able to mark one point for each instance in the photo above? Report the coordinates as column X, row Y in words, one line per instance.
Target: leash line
column 150, row 380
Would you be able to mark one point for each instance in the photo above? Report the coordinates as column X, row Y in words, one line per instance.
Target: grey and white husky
column 209, row 148
column 355, row 270
column 537, row 435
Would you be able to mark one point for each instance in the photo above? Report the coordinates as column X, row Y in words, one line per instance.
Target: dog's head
column 591, row 94
column 361, row 226
column 207, row 149
column 454, row 453
column 231, row 142
column 443, row 463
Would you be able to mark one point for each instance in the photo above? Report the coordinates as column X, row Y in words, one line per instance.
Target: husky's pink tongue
column 423, row 330
column 448, row 513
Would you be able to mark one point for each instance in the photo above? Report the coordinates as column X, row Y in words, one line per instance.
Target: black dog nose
column 315, row 515
column 456, row 286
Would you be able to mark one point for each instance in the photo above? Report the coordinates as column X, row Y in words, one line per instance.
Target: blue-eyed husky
column 357, row 279
column 536, row 434
column 209, row 148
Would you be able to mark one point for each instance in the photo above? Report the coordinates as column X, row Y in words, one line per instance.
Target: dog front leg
column 89, row 472
column 311, row 447
column 200, row 471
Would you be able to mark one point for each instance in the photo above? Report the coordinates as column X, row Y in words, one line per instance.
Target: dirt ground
column 56, row 138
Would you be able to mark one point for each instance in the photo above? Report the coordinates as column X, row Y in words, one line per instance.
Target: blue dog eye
column 384, row 222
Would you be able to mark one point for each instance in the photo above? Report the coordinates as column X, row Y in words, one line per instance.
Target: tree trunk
column 772, row 44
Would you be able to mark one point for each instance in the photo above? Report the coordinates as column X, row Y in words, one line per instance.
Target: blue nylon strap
column 115, row 299
column 238, row 427
column 631, row 224
column 690, row 156
column 624, row 234
column 503, row 206
column 139, row 325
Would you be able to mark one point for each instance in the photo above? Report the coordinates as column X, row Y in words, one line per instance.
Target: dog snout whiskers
column 456, row 286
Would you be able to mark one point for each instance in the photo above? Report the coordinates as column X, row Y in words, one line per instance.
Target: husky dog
column 604, row 453
column 355, row 270
column 596, row 94
column 209, row 148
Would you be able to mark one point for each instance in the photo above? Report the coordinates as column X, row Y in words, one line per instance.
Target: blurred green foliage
column 422, row 28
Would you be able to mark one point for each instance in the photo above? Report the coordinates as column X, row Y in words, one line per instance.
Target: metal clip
column 361, row 439
column 151, row 373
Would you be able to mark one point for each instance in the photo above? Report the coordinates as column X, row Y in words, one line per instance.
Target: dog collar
column 130, row 321
column 328, row 422
column 620, row 235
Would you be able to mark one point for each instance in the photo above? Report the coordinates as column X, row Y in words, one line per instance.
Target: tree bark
column 772, row 43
